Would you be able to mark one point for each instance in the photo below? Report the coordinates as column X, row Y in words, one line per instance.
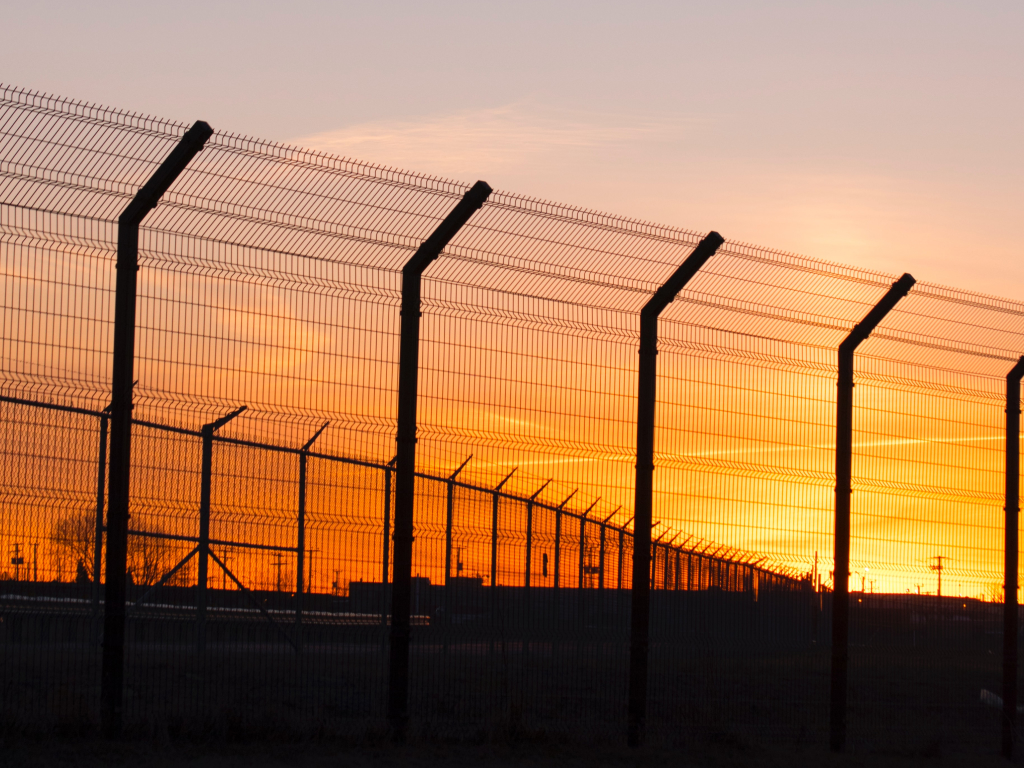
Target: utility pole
column 938, row 569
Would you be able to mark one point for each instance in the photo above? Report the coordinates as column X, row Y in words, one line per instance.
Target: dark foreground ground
column 734, row 683
column 89, row 753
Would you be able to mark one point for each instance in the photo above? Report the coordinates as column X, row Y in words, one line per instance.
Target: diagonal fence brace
column 166, row 577
column 252, row 599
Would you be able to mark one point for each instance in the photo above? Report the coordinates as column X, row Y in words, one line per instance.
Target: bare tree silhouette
column 72, row 541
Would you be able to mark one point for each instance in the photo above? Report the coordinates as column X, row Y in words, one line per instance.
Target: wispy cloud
column 473, row 143
column 697, row 170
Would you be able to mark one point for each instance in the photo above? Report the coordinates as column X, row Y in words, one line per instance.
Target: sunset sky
column 863, row 164
column 884, row 135
column 885, row 139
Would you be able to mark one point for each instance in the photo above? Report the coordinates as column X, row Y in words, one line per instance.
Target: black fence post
column 529, row 532
column 641, row 590
column 558, row 540
column 493, row 595
column 583, row 547
column 494, row 528
column 652, row 572
column 101, row 493
column 386, row 553
column 300, row 536
column 558, row 547
column 601, row 552
column 844, row 490
column 654, row 562
column 666, row 553
column 408, row 375
column 205, row 485
column 203, row 556
column 112, row 674
column 582, row 564
column 1011, row 557
column 449, row 521
column 622, row 550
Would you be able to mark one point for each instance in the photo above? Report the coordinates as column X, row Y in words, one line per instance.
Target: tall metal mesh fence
column 270, row 278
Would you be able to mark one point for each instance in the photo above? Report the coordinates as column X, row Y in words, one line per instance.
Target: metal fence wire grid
column 297, row 442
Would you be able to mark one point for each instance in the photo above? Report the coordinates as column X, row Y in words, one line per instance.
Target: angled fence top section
column 243, row 194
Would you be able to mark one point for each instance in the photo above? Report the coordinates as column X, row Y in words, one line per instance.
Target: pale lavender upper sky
column 881, row 134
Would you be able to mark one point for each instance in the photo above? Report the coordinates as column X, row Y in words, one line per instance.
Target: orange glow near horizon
column 744, row 442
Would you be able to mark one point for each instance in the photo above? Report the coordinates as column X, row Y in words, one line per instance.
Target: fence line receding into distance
column 270, row 277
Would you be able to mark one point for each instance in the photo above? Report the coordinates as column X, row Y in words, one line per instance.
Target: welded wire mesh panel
column 345, row 525
column 344, row 607
column 270, row 279
column 456, row 675
column 744, row 456
column 165, row 499
column 257, row 625
column 48, row 537
column 471, row 534
column 431, row 520
column 58, row 301
column 509, row 542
